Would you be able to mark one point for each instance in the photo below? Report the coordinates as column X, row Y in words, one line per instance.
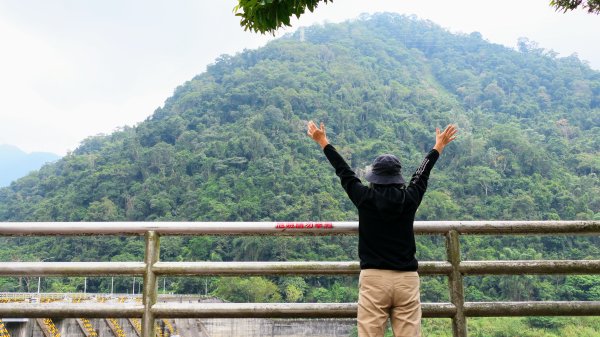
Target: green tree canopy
column 592, row 6
column 268, row 15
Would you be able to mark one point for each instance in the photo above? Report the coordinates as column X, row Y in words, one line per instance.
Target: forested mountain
column 231, row 145
column 15, row 163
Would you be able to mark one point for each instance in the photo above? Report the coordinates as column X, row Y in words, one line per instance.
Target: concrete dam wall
column 120, row 327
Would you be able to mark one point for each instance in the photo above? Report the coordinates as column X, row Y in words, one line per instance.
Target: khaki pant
column 385, row 293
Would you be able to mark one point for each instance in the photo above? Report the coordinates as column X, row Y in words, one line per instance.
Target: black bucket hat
column 386, row 170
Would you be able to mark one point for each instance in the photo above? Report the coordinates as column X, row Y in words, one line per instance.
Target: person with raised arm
column 388, row 281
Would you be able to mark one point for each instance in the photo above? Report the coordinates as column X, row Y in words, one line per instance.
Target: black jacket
column 385, row 214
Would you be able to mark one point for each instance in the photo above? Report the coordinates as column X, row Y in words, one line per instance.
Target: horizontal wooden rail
column 279, row 310
column 201, row 310
column 280, row 268
column 71, row 268
column 292, row 228
column 514, row 267
column 288, row 310
column 546, row 267
column 255, row 310
column 348, row 310
column 548, row 308
column 70, row 310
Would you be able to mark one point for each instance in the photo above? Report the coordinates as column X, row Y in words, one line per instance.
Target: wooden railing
column 151, row 267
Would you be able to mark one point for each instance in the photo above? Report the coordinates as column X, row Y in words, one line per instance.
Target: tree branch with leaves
column 592, row 6
column 269, row 15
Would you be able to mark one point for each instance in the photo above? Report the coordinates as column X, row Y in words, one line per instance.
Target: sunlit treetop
column 268, row 15
column 592, row 6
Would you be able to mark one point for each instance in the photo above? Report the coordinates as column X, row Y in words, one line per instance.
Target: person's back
column 388, row 282
column 386, row 239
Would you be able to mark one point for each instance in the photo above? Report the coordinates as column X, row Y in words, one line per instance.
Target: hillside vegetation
column 230, row 145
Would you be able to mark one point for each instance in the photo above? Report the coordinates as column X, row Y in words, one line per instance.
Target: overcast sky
column 73, row 69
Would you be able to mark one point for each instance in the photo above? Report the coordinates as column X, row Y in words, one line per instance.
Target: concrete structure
column 123, row 327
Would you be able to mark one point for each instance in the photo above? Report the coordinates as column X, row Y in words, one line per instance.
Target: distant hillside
column 230, row 144
column 15, row 163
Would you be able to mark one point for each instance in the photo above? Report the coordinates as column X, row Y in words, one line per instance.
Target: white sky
column 70, row 69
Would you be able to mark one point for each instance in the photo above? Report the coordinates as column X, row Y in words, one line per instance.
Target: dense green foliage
column 230, row 145
column 268, row 15
column 592, row 6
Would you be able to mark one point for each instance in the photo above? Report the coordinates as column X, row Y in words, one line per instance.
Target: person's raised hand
column 444, row 138
column 317, row 134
